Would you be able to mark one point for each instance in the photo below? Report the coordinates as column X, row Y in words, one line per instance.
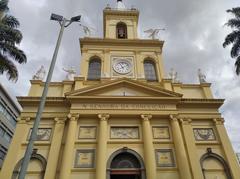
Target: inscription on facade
column 164, row 158
column 161, row 132
column 126, row 106
column 84, row 158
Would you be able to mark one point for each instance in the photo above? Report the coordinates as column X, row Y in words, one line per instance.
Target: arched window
column 121, row 30
column 150, row 70
column 36, row 167
column 211, row 161
column 94, row 69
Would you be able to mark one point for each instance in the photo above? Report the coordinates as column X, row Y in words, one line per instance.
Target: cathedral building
column 122, row 118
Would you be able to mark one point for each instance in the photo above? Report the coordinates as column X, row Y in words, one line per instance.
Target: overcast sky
column 193, row 39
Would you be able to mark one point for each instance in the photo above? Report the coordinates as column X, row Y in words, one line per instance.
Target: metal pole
column 33, row 136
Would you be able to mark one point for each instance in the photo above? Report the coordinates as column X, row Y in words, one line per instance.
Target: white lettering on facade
column 126, row 106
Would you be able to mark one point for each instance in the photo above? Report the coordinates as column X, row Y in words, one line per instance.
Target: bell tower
column 120, row 53
column 120, row 22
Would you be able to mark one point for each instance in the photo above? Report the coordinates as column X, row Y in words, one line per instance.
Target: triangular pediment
column 124, row 87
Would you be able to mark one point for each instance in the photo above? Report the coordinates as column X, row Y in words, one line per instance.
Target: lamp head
column 56, row 17
column 75, row 19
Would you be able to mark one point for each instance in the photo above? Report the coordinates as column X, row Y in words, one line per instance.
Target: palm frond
column 235, row 11
column 9, row 34
column 237, row 65
column 4, row 5
column 233, row 23
column 10, row 21
column 231, row 38
column 235, row 51
column 13, row 52
column 8, row 66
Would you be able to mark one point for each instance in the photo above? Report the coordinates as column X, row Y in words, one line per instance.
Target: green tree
column 234, row 37
column 10, row 36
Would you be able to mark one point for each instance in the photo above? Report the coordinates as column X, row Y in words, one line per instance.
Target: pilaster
column 227, row 148
column 106, row 64
column 68, row 152
column 102, row 146
column 149, row 153
column 160, row 64
column 191, row 148
column 182, row 159
column 54, row 151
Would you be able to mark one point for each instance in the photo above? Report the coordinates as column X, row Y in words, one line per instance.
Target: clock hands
column 122, row 67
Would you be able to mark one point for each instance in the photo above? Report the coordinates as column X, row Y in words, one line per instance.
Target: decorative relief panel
column 204, row 134
column 124, row 133
column 161, row 132
column 165, row 158
column 43, row 134
column 87, row 132
column 84, row 158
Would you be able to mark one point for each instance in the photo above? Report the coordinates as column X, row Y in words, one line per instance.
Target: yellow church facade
column 122, row 119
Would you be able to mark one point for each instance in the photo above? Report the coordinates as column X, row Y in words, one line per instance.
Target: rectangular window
column 7, row 137
column 2, row 108
column 8, row 115
column 2, row 155
column 2, row 131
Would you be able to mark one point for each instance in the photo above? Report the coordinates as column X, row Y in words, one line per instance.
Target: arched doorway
column 125, row 164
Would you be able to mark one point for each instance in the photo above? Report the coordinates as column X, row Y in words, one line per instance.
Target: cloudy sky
column 193, row 39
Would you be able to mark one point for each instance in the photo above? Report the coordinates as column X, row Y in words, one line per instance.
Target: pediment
column 124, row 87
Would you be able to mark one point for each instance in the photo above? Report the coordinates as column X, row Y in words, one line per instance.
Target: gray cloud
column 193, row 40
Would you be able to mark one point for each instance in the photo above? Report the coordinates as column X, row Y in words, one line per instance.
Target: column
column 149, row 153
column 13, row 151
column 101, row 162
column 227, row 148
column 191, row 148
column 56, row 143
column 182, row 159
column 67, row 159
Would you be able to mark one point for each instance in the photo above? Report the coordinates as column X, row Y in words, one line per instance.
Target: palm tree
column 234, row 37
column 10, row 36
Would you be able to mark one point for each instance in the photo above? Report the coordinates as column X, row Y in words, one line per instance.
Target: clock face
column 122, row 67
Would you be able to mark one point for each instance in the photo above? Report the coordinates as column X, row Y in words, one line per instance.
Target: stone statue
column 40, row 75
column 70, row 73
column 88, row 31
column 120, row 5
column 153, row 33
column 173, row 75
column 201, row 76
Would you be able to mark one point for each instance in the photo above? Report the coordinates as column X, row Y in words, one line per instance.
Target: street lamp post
column 63, row 23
